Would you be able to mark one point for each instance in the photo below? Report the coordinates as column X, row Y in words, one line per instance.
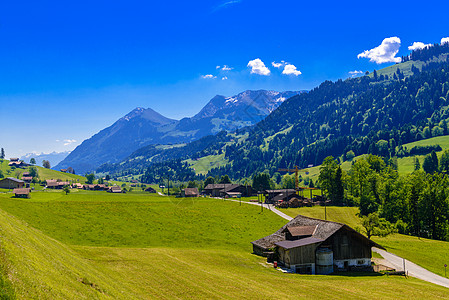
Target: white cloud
column 444, row 40
column 418, row 45
column 226, row 68
column 355, row 73
column 258, row 67
column 385, row 52
column 290, row 69
column 68, row 142
column 277, row 65
column 217, row 67
column 224, row 78
column 208, row 76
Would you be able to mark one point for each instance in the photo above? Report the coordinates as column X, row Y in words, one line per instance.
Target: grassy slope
column 429, row 254
column 206, row 163
column 43, row 173
column 42, row 267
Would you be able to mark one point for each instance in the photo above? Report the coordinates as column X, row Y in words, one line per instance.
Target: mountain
column 376, row 113
column 54, row 157
column 142, row 127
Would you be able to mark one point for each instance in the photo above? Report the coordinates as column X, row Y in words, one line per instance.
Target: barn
column 11, row 183
column 313, row 246
column 22, row 193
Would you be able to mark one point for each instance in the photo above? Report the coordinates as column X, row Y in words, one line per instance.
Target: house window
column 360, row 262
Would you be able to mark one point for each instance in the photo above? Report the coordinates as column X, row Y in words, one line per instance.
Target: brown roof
column 191, row 191
column 22, row 191
column 52, row 183
column 25, row 174
column 324, row 230
column 27, row 178
column 50, row 180
column 301, row 230
column 298, row 243
column 115, row 189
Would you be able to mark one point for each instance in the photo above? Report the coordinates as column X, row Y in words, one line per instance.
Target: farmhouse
column 115, row 189
column 150, row 190
column 15, row 162
column 11, row 183
column 190, row 192
column 227, row 190
column 275, row 196
column 53, row 184
column 312, row 246
column 22, row 192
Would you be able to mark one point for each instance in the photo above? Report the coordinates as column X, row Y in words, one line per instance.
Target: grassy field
column 201, row 250
column 206, row 163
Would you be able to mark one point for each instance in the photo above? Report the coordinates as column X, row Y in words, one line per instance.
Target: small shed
column 11, row 183
column 22, row 193
column 115, row 189
column 190, row 192
column 150, row 190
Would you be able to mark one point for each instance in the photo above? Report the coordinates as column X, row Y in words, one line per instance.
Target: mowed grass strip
column 170, row 273
column 138, row 220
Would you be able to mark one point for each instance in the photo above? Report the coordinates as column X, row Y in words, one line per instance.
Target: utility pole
column 168, row 186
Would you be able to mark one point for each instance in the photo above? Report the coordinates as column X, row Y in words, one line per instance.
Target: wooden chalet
column 312, row 246
column 77, row 185
column 114, row 189
column 11, row 183
column 150, row 190
column 275, row 196
column 228, row 190
column 22, row 192
column 190, row 192
column 15, row 162
column 27, row 179
column 58, row 185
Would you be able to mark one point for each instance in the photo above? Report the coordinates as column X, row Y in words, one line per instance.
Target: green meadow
column 95, row 245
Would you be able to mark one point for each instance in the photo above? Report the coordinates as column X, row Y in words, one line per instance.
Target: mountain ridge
column 144, row 126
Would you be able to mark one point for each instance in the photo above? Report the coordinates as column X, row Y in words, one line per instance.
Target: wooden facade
column 304, row 242
column 11, row 183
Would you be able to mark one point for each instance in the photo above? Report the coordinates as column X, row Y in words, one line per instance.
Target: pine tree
column 2, row 153
column 417, row 164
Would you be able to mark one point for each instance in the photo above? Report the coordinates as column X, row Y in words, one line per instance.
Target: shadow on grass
column 357, row 274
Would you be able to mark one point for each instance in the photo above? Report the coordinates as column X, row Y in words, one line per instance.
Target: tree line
column 417, row 203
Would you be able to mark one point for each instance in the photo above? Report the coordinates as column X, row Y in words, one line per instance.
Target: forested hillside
column 371, row 114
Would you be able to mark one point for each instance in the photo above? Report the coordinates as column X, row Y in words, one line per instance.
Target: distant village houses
column 15, row 162
column 228, row 190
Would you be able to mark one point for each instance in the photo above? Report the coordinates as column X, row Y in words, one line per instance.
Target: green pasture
column 58, row 247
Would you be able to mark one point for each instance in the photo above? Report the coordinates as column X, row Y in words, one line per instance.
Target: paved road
column 411, row 268
column 267, row 206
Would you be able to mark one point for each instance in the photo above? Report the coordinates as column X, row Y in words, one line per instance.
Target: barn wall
column 298, row 256
column 348, row 245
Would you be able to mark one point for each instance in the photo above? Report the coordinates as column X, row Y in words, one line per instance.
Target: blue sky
column 68, row 70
